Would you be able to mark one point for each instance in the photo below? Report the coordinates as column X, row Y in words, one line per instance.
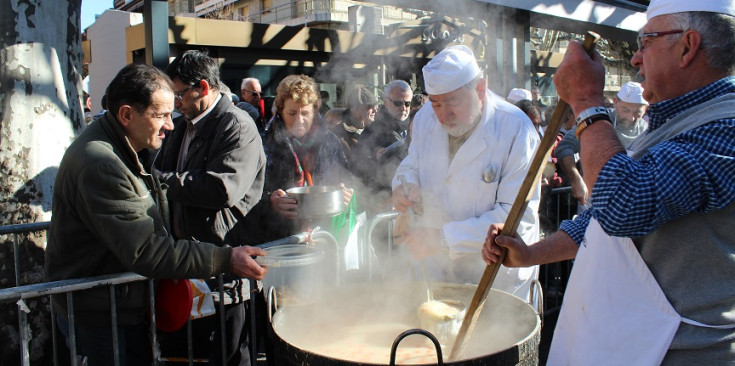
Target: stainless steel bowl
column 318, row 201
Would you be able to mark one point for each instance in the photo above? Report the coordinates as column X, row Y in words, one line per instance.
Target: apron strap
column 698, row 324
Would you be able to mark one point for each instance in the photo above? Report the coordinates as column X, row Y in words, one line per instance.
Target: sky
column 90, row 8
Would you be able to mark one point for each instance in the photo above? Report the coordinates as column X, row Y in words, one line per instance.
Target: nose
column 177, row 103
column 637, row 59
column 168, row 124
column 443, row 114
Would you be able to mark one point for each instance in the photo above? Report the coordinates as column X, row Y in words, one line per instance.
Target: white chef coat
column 456, row 198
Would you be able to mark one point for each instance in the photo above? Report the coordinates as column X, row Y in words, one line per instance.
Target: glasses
column 641, row 47
column 253, row 93
column 180, row 94
column 399, row 103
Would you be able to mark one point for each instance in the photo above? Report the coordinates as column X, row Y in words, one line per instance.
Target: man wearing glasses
column 110, row 216
column 654, row 268
column 390, row 126
column 214, row 166
column 251, row 95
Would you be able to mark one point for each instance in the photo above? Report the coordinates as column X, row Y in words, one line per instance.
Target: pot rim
column 291, row 255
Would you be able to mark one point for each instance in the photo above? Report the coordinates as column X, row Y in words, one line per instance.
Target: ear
column 482, row 89
column 204, row 86
column 125, row 115
column 690, row 42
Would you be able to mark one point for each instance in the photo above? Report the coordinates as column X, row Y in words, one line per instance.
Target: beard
column 457, row 128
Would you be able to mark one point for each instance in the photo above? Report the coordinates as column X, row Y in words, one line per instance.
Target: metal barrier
column 21, row 294
column 554, row 276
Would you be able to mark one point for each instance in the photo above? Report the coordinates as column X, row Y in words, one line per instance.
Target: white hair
column 247, row 81
column 396, row 84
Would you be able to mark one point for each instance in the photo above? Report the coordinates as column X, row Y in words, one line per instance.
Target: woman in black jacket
column 300, row 151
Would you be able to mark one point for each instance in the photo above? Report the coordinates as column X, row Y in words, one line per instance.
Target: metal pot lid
column 291, row 255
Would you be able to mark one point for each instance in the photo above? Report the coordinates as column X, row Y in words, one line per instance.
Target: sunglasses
column 253, row 93
column 399, row 103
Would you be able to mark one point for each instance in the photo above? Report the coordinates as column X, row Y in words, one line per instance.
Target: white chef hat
column 661, row 7
column 450, row 70
column 632, row 92
column 517, row 94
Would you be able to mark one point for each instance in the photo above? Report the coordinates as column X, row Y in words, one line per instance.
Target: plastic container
column 296, row 271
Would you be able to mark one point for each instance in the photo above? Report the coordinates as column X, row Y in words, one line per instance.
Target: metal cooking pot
column 317, row 201
column 356, row 325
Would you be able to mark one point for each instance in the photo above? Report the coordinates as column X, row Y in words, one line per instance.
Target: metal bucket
column 317, row 201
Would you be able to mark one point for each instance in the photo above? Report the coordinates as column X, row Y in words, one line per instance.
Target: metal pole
column 155, row 15
column 252, row 339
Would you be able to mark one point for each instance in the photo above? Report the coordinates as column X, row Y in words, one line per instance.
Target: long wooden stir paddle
column 514, row 216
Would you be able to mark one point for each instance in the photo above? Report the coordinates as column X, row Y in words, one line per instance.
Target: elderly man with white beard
column 469, row 154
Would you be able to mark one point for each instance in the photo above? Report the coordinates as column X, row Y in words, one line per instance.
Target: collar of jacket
column 385, row 118
column 352, row 129
column 205, row 128
column 117, row 135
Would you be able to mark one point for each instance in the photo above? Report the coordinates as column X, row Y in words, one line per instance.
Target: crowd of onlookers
column 564, row 169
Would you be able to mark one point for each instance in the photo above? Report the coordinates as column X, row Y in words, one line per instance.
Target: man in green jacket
column 110, row 216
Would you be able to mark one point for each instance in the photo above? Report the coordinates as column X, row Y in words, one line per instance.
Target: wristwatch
column 590, row 116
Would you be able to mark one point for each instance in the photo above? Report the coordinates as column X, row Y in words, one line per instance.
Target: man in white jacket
column 469, row 154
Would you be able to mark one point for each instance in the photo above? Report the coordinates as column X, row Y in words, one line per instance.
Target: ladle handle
column 515, row 215
column 427, row 334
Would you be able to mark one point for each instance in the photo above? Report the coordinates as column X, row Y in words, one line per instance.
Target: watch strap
column 589, row 112
column 590, row 120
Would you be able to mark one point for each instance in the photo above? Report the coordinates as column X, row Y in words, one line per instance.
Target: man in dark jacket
column 110, row 216
column 390, row 127
column 214, row 165
column 251, row 95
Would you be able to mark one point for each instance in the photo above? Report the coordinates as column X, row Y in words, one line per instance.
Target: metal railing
column 21, row 294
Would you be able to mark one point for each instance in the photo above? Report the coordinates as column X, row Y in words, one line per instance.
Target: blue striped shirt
column 693, row 172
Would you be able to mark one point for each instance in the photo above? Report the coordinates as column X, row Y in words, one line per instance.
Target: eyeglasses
column 180, row 94
column 253, row 93
column 641, row 47
column 399, row 103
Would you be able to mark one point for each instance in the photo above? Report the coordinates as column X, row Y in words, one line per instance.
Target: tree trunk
column 40, row 112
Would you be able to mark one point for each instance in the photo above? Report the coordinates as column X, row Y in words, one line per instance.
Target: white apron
column 614, row 312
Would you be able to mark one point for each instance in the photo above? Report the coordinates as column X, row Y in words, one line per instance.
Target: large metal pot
column 357, row 325
column 317, row 201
